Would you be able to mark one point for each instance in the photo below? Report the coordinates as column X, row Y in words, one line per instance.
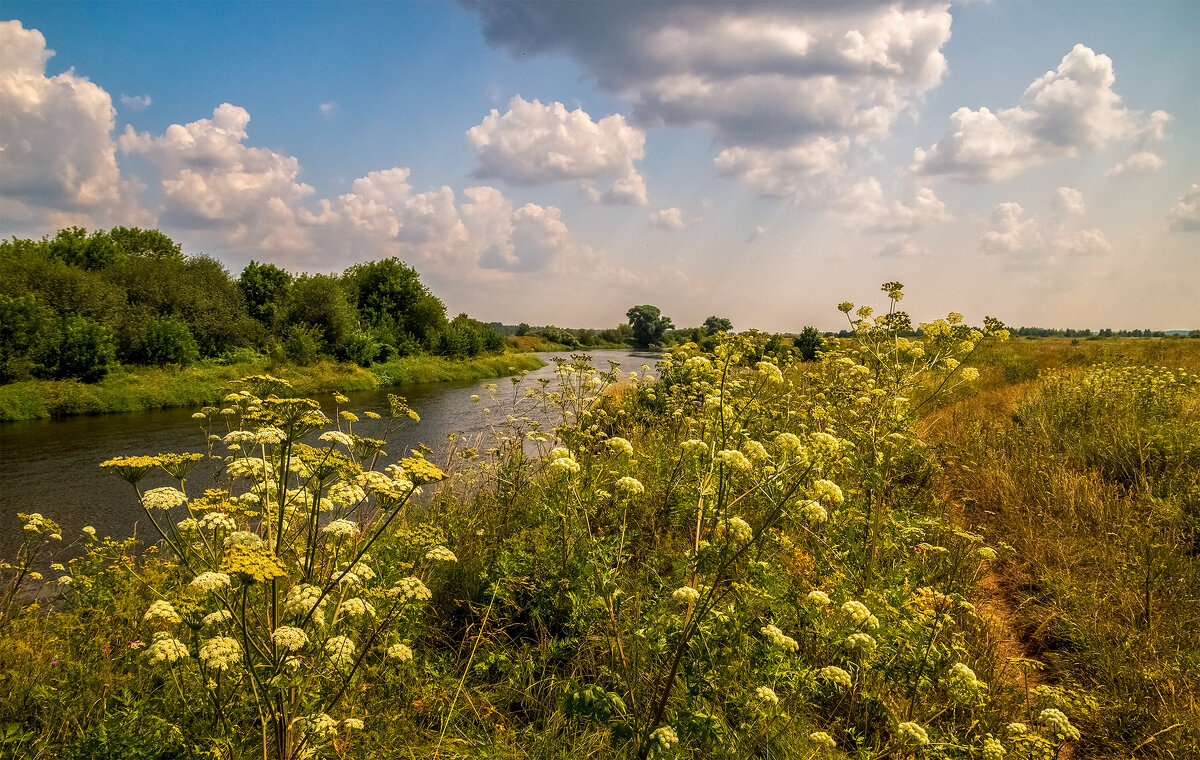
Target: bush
column 302, row 344
column 82, row 349
column 166, row 340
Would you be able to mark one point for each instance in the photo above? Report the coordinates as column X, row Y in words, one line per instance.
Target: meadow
column 958, row 545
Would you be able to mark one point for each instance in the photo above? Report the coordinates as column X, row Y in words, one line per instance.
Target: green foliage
column 389, row 293
column 167, row 340
column 302, row 344
column 714, row 325
column 25, row 324
column 809, row 343
column 265, row 290
column 317, row 307
column 81, row 349
column 648, row 324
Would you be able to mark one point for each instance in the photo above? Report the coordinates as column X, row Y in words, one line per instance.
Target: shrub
column 82, row 349
column 167, row 340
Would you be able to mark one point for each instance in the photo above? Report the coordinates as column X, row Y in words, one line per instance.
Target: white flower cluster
column 270, row 436
column 912, row 732
column 826, row 491
column 1058, row 723
column 216, row 618
column 166, row 649
column 964, row 679
column 819, row 598
column 410, row 587
column 694, row 446
column 734, row 459
column 856, row 611
column 356, row 607
column 243, row 538
column 992, row 749
column 778, row 638
column 335, row 436
column 563, row 465
column 812, row 512
column 770, row 372
column 400, row 652
column 630, row 486
column 340, row 650
column 290, row 638
column 440, row 554
column 161, row 610
column 302, row 598
column 217, row 520
column 738, row 529
column 835, row 675
column 766, row 694
column 823, row 739
column 862, row 643
column 665, row 735
column 321, row 725
column 618, row 445
column 352, row 724
column 685, row 595
column 339, row 529
column 163, row 498
column 220, row 652
column 207, row 583
column 755, row 451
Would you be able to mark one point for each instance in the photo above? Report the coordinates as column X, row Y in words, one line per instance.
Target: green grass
column 134, row 389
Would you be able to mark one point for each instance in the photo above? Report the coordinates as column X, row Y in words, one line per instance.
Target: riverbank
column 135, row 389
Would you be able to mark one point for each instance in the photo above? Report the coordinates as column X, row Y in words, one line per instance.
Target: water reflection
column 51, row 466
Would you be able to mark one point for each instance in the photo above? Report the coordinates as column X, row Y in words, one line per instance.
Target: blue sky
column 557, row 163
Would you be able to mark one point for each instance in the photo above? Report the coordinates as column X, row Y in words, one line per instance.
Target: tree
column 388, row 293
column 808, row 343
column 318, row 304
column 714, row 325
column 167, row 340
column 265, row 288
column 648, row 324
column 82, row 349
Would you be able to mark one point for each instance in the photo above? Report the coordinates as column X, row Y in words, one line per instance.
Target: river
column 51, row 466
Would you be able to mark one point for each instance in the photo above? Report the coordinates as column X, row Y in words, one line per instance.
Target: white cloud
column 862, row 206
column 328, row 109
column 903, row 247
column 758, row 233
column 1025, row 240
column 1068, row 200
column 1062, row 113
column 798, row 173
column 667, row 219
column 535, row 144
column 1184, row 216
column 1138, row 163
column 757, row 73
column 136, row 102
column 55, row 137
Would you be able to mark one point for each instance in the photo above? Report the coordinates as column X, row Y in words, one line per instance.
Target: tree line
column 76, row 304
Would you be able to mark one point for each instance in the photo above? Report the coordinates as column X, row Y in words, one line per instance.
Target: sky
column 558, row 162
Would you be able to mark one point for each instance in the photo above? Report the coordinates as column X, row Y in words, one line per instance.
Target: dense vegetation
column 75, row 305
column 748, row 556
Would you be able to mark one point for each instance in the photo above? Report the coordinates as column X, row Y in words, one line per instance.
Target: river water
column 51, row 466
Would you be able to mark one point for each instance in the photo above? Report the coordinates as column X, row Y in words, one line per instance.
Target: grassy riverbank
column 140, row 388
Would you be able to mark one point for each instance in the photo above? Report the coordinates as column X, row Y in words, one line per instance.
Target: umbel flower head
column 166, row 649
column 220, row 653
column 252, row 563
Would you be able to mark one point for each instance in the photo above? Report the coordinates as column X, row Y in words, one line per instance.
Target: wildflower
column 619, row 445
column 321, row 725
column 252, row 563
column 819, row 598
column 1058, row 723
column 410, row 588
column 161, row 610
column 766, row 694
column 986, row 552
column 187, row 526
column 242, row 538
column 694, row 446
column 665, row 735
column 55, row 537
column 440, row 554
column 734, row 459
column 206, row 583
column 355, row 607
column 269, row 436
column 57, row 566
column 90, row 532
column 163, row 498
column 340, row 650
column 220, row 652
column 216, row 520
column 65, row 580
column 754, row 450
column 993, row 749
column 825, row 490
column 301, row 599
column 238, row 437
column 823, row 739
column 912, row 732
column 216, row 618
column 166, row 649
column 862, row 643
column 563, row 465
column 856, row 611
column 1016, row 729
column 630, row 486
column 738, row 529
column 400, row 652
column 340, row 529
column 812, row 512
column 335, row 436
column 199, row 415
column 130, row 469
column 363, row 571
column 778, row 638
column 685, row 595
column 770, row 372
column 290, row 638
column 834, row 675
column 352, row 723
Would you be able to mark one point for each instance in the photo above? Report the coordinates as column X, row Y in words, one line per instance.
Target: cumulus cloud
column 1138, row 163
column 757, row 73
column 136, row 102
column 55, row 136
column 667, row 219
column 758, row 233
column 1025, row 240
column 535, row 144
column 863, row 206
column 328, row 109
column 1068, row 200
column 903, row 247
column 1184, row 216
column 798, row 173
column 1062, row 113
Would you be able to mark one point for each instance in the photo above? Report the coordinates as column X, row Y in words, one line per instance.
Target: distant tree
column 82, row 349
column 76, row 247
column 809, row 342
column 134, row 241
column 388, row 293
column 167, row 340
column 318, row 304
column 265, row 288
column 25, row 324
column 648, row 324
column 714, row 325
column 523, row 329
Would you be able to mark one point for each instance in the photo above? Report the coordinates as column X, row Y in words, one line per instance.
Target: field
column 957, row 546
